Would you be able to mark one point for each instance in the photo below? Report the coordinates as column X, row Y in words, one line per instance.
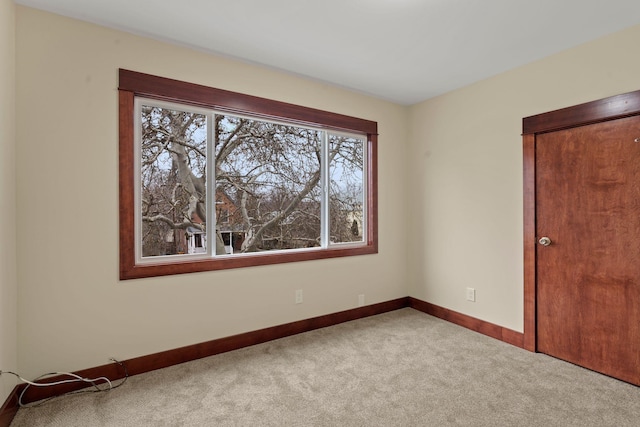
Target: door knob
column 544, row 241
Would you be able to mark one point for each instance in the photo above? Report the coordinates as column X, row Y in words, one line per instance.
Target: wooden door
column 587, row 197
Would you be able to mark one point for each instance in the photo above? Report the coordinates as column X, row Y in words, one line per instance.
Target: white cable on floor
column 75, row 379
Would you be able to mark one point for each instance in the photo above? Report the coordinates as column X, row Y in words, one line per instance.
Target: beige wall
column 73, row 311
column 465, row 160
column 450, row 196
column 8, row 279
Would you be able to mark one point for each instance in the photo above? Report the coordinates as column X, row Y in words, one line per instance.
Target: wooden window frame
column 134, row 84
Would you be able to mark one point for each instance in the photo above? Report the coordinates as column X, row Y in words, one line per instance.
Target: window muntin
column 191, row 98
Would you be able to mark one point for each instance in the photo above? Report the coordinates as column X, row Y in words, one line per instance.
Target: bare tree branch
column 250, row 244
column 174, row 225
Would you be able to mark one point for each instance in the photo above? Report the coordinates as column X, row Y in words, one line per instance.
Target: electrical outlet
column 361, row 300
column 471, row 294
column 299, row 296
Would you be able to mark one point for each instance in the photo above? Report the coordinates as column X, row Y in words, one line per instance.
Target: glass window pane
column 346, row 189
column 173, row 154
column 268, row 192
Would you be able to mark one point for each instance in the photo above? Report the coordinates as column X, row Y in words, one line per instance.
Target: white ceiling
column 405, row 51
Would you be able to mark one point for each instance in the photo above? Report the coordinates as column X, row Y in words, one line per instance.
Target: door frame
column 611, row 108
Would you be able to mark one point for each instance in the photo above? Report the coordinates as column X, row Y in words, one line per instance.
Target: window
column 211, row 179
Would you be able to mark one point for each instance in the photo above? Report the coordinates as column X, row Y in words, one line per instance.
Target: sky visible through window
column 268, row 180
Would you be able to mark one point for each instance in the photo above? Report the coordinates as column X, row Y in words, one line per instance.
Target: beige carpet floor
column 402, row 368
